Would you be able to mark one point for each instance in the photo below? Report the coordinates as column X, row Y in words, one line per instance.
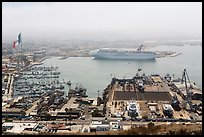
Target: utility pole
column 98, row 99
column 98, row 93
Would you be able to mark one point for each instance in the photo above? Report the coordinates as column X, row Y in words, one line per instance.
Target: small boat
column 84, row 96
column 60, row 87
column 69, row 83
column 61, row 58
column 20, row 94
column 55, row 73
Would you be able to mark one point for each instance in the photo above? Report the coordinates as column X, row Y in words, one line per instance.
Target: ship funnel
column 141, row 48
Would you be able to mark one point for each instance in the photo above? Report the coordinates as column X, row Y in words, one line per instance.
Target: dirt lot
column 172, row 129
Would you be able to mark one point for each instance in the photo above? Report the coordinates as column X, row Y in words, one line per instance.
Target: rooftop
column 19, row 127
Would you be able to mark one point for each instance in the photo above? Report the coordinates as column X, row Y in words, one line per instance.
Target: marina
column 39, row 80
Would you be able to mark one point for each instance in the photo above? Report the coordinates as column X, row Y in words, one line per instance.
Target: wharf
column 69, row 104
column 9, row 88
column 151, row 93
column 176, row 54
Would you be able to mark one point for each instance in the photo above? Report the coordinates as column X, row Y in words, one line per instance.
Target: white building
column 115, row 125
column 19, row 127
column 105, row 126
column 99, row 126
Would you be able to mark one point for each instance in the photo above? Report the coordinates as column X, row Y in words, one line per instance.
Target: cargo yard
column 152, row 98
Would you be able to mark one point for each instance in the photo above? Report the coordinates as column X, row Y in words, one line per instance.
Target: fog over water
column 102, row 21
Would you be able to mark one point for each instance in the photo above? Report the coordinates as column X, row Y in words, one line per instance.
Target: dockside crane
column 188, row 98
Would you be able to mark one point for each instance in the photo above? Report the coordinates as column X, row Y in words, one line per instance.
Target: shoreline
column 31, row 65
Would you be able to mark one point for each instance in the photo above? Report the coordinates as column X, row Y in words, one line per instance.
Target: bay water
column 95, row 74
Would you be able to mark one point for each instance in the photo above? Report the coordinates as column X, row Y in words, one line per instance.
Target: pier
column 9, row 88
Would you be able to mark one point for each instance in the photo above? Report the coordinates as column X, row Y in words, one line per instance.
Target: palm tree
column 70, row 117
column 133, row 116
column 47, row 116
column 98, row 93
column 66, row 109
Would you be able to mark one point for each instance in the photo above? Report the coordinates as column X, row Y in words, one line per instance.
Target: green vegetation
column 150, row 125
column 47, row 116
column 9, row 120
column 96, row 113
column 145, row 117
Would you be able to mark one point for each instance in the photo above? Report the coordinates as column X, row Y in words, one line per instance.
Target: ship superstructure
column 114, row 53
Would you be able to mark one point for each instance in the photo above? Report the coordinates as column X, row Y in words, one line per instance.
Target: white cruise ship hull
column 132, row 56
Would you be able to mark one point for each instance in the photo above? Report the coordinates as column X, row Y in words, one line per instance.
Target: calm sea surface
column 96, row 74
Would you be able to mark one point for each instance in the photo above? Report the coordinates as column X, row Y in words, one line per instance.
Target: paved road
column 86, row 111
column 87, row 122
column 78, row 122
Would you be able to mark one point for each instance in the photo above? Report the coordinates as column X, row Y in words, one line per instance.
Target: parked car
column 82, row 117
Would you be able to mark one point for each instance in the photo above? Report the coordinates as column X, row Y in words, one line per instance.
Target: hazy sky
column 94, row 20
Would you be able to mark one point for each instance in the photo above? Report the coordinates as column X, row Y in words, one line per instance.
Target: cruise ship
column 113, row 53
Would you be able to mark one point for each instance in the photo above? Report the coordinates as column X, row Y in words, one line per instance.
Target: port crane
column 188, row 97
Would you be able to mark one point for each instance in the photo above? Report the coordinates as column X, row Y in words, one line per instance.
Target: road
column 87, row 122
column 86, row 111
column 32, row 108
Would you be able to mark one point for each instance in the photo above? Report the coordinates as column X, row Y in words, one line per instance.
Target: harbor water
column 95, row 74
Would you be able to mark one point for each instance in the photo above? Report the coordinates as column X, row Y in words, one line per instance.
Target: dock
column 176, row 54
column 9, row 88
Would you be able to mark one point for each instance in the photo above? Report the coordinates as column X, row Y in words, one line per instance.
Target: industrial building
column 105, row 126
